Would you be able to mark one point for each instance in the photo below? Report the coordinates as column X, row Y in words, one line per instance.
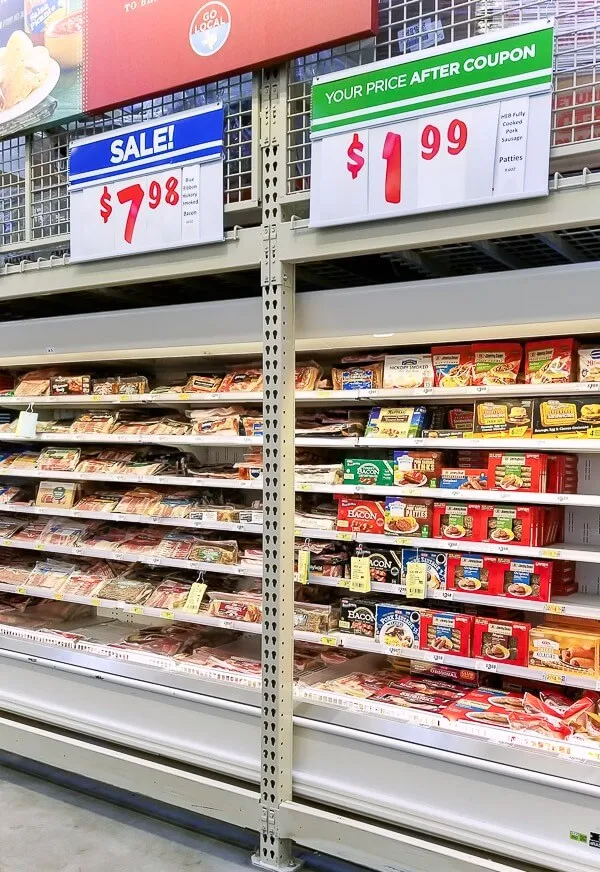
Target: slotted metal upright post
column 275, row 853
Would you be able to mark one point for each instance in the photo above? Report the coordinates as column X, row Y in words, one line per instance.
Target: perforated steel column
column 278, row 490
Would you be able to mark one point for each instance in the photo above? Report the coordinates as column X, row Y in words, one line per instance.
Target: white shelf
column 94, row 401
column 133, row 557
column 117, row 439
column 176, row 480
column 573, row 446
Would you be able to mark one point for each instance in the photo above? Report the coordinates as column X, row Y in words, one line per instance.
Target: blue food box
column 436, row 562
column 398, row 626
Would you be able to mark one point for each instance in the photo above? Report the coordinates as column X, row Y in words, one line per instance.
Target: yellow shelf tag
column 550, row 553
column 555, row 609
column 59, row 596
column 137, row 610
column 555, row 677
column 360, row 574
column 96, row 602
column 168, row 616
column 329, row 640
column 303, row 565
column 416, row 580
column 195, row 597
column 22, row 590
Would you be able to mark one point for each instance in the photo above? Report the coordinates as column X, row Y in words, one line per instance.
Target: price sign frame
column 124, row 185
column 453, row 126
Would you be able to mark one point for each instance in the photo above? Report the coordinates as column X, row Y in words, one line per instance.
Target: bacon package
column 360, row 516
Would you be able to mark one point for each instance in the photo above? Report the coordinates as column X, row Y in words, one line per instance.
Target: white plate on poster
column 35, row 98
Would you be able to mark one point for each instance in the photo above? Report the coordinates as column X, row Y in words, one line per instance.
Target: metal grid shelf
column 410, row 25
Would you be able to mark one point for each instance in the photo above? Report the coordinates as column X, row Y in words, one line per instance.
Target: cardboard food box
column 360, row 516
column 503, row 524
column 57, row 494
column 408, row 516
column 566, row 417
column 464, row 479
column 435, row 561
column 74, row 385
column 385, row 564
column 358, row 617
column 496, row 363
column 417, row 468
column 457, row 521
column 517, row 472
column 550, row 361
column 503, row 418
column 369, row 472
column 501, row 641
column 569, row 651
column 406, row 371
column 521, row 578
column 398, row 626
column 446, row 633
column 396, row 423
column 457, row 674
column 473, row 574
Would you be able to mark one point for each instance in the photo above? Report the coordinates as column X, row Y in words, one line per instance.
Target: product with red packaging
column 456, row 674
column 496, row 363
column 522, row 578
column 360, row 516
column 562, row 474
column 457, row 521
column 517, row 472
column 518, row 524
column 453, row 365
column 473, row 573
column 551, row 361
column 446, row 633
column 501, row 641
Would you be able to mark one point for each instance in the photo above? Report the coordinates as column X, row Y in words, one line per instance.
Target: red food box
column 501, row 641
column 525, row 579
column 457, row 521
column 473, row 573
column 517, row 472
column 562, row 474
column 519, row 525
column 446, row 633
column 360, row 516
column 550, row 361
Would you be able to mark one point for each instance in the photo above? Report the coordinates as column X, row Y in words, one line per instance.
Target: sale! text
column 144, row 144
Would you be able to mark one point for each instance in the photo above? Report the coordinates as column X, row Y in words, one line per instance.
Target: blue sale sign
column 148, row 187
column 189, row 137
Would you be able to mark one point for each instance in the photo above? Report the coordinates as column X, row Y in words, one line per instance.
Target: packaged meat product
column 221, row 513
column 456, row 674
column 398, row 626
column 509, row 524
column 485, row 707
column 63, row 531
column 216, row 422
column 204, row 383
column 137, row 426
column 175, row 504
column 177, row 545
column 308, row 375
column 474, row 573
column 252, row 425
column 59, row 459
column 564, row 650
column 127, row 590
column 101, row 501
column 396, row 423
column 369, row 472
column 360, row 516
column 35, row 383
column 57, row 494
column 327, row 559
column 464, row 479
column 31, row 532
column 358, row 616
column 358, row 374
column 82, row 584
column 589, row 364
column 171, row 594
column 522, row 578
column 138, row 501
column 453, row 365
column 517, row 472
column 385, row 564
column 501, row 641
column 566, row 418
column 496, row 363
column 503, row 418
column 332, row 473
column 94, row 422
column 435, row 563
column 406, row 371
column 222, row 662
column 235, row 607
column 70, row 385
column 25, row 460
column 170, row 641
column 105, row 386
column 446, row 633
column 133, row 384
column 109, row 537
column 457, row 521
column 9, row 526
column 50, row 574
column 315, row 618
column 410, row 699
column 215, row 552
column 16, row 572
column 330, row 423
column 406, row 516
column 145, row 540
column 550, row 361
column 248, row 379
column 13, row 494
column 417, row 468
column 315, row 520
column 105, row 460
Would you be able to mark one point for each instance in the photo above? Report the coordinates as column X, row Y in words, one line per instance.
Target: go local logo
column 210, row 28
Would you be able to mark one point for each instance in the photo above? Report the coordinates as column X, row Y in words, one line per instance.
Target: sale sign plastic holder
column 457, row 125
column 148, row 187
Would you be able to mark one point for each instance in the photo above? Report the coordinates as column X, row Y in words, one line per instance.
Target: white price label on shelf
column 489, row 667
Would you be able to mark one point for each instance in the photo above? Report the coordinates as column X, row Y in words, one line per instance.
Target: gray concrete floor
column 45, row 828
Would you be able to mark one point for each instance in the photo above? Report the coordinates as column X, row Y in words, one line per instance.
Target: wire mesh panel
column 50, row 149
column 12, row 191
column 406, row 26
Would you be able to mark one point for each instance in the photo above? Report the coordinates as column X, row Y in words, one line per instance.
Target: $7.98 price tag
column 136, row 196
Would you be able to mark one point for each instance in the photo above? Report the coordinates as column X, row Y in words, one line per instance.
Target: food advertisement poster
column 63, row 58
column 41, row 52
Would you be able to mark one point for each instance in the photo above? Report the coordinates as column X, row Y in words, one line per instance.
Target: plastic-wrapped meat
column 177, row 545
column 308, row 375
column 50, row 574
column 170, row 641
column 101, row 501
column 331, row 423
column 224, row 472
column 9, row 526
column 63, row 531
column 13, row 494
column 171, row 594
column 82, row 584
column 32, row 532
column 235, row 607
column 108, row 537
column 138, row 501
column 25, row 460
column 217, row 422
column 16, row 571
column 325, row 473
column 138, row 427
column 127, row 590
column 94, row 422
column 104, row 461
column 176, row 504
column 35, row 383
column 246, row 379
column 170, row 426
column 59, row 459
column 144, row 540
column 218, row 551
column 203, row 384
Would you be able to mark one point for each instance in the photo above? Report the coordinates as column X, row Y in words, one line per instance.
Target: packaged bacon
column 138, row 501
column 217, row 422
column 244, row 379
column 94, row 422
column 35, row 383
column 203, row 384
column 59, row 459
column 171, row 594
column 308, row 375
